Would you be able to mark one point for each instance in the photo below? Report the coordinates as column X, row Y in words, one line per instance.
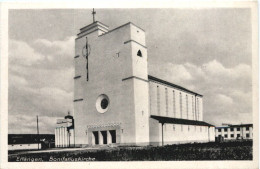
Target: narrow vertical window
column 158, row 100
column 198, row 106
column 180, row 104
column 173, row 104
column 166, row 101
column 192, row 108
column 187, row 108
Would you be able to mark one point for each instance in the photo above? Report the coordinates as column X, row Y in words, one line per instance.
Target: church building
column 117, row 102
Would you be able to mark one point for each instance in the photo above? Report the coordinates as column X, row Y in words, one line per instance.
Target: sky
column 205, row 50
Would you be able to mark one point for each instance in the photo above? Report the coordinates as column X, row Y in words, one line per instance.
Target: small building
column 30, row 141
column 64, row 132
column 232, row 132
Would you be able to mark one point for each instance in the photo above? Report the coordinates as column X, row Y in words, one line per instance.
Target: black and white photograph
column 96, row 84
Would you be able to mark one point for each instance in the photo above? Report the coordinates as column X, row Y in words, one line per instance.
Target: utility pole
column 37, row 132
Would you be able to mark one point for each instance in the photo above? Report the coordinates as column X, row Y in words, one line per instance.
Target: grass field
column 241, row 150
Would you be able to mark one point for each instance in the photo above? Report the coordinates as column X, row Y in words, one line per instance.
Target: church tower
column 111, row 94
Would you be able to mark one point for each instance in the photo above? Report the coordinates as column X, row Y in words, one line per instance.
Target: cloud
column 216, row 69
column 40, row 83
column 27, row 124
column 227, row 91
column 21, row 52
column 15, row 81
column 64, row 47
column 172, row 72
column 224, row 100
column 60, row 54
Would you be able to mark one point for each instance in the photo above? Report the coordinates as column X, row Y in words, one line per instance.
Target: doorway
column 96, row 139
column 113, row 135
column 104, row 135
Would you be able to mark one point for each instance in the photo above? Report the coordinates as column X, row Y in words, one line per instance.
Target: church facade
column 117, row 102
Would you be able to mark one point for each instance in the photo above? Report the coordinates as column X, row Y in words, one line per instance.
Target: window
column 232, row 135
column 231, row 129
column 192, row 106
column 219, row 130
column 166, row 101
column 198, row 107
column 247, row 135
column 173, row 100
column 181, row 105
column 247, row 128
column 139, row 53
column 238, row 135
column 225, row 135
column 225, row 129
column 187, row 108
column 102, row 103
column 158, row 100
column 238, row 129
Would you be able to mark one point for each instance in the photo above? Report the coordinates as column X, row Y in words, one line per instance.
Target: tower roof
column 95, row 26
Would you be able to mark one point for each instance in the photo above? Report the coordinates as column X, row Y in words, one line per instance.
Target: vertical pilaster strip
column 58, row 137
column 66, row 136
column 62, row 137
column 100, row 138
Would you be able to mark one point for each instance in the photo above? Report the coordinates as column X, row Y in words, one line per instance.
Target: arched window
column 139, row 53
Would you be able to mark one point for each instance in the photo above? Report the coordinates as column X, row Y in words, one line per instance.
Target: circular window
column 102, row 103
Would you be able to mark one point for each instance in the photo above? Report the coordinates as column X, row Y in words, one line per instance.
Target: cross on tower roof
column 93, row 13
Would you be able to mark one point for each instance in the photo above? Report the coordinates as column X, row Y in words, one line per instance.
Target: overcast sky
column 205, row 50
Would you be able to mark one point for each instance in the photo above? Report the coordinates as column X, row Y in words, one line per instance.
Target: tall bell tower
column 111, row 101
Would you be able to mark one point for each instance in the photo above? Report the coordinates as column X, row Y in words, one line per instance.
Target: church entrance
column 103, row 135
